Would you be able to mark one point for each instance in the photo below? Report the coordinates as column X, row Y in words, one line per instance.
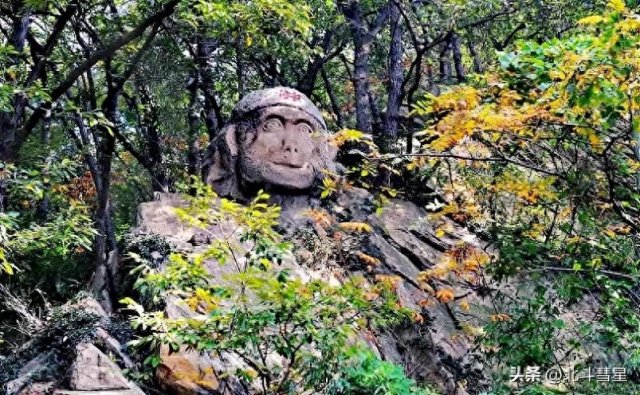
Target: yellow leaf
column 472, row 330
column 249, row 41
column 320, row 217
column 617, row 5
column 573, row 240
column 594, row 140
column 445, row 295
column 591, row 20
column 499, row 317
column 355, row 227
column 7, row 268
column 368, row 259
column 388, row 280
column 425, row 303
column 345, row 135
column 628, row 25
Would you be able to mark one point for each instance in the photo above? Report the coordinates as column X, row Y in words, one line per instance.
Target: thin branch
column 472, row 158
column 566, row 269
column 94, row 58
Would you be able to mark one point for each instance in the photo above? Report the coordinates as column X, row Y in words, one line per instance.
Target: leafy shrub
column 151, row 248
column 364, row 373
column 541, row 157
column 49, row 245
column 261, row 309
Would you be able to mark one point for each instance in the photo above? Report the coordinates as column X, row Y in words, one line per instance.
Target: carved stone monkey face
column 283, row 147
column 276, row 141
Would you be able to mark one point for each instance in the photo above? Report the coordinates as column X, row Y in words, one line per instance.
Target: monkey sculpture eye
column 272, row 125
column 305, row 128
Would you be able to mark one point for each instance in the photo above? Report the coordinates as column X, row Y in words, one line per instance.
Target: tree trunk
column 3, row 195
column 104, row 281
column 377, row 124
column 362, row 49
column 361, row 84
column 194, row 125
column 239, row 68
column 9, row 147
column 9, row 120
column 413, row 89
column 43, row 206
column 457, row 58
column 332, row 98
column 445, row 61
column 390, row 131
column 477, row 65
column 150, row 123
column 307, row 83
column 212, row 111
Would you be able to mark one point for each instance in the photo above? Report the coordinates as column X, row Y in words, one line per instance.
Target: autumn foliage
column 542, row 157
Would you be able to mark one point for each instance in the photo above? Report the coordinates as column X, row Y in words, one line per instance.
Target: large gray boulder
column 431, row 351
column 74, row 354
column 277, row 141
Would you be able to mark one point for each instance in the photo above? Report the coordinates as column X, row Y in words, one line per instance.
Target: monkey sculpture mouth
column 292, row 165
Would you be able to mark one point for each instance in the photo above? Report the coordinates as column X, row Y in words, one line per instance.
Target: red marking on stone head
column 290, row 95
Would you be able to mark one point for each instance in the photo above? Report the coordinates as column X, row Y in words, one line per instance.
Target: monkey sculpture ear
column 229, row 134
column 220, row 165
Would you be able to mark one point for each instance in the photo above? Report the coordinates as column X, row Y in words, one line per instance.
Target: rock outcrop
column 277, row 141
column 404, row 243
column 74, row 355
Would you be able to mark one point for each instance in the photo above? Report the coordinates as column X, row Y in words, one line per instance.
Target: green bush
column 261, row 309
column 366, row 374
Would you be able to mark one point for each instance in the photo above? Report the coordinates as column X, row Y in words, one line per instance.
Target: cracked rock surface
column 404, row 242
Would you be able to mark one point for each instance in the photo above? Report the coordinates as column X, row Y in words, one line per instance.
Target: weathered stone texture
column 277, row 141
